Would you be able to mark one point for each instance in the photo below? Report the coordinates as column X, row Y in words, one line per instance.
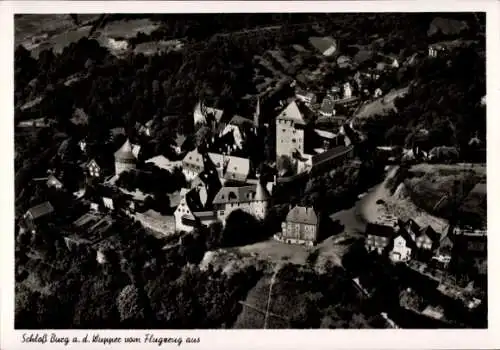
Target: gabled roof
column 379, row 230
column 164, row 163
column 292, row 112
column 194, row 158
column 40, row 210
column 302, row 215
column 241, row 194
column 53, row 181
column 237, row 169
column 240, row 121
column 328, row 105
column 125, row 153
column 333, row 153
column 325, row 134
column 413, row 226
column 429, row 232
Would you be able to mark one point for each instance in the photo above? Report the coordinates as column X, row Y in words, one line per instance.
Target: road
column 354, row 219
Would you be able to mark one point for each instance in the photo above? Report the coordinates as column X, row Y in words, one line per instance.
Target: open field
column 31, row 25
column 381, row 105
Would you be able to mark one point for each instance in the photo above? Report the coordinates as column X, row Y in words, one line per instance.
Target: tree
column 130, row 306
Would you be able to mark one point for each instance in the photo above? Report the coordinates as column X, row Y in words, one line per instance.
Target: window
column 221, row 212
column 284, row 130
column 294, row 140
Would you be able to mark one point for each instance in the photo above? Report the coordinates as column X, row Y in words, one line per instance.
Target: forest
column 145, row 286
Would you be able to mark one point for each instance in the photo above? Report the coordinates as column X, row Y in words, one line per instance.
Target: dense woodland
column 145, row 286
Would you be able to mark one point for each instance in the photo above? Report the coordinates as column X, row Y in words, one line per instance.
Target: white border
column 289, row 339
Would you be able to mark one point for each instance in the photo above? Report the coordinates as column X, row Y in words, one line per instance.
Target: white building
column 347, row 90
column 289, row 132
column 401, row 250
column 192, row 165
column 251, row 199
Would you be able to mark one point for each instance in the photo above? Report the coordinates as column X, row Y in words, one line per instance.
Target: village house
column 204, row 115
column 444, row 251
column 428, row 239
column 378, row 237
column 435, row 50
column 230, row 168
column 54, row 182
column 327, row 106
column 300, row 227
column 94, row 170
column 251, row 199
column 402, row 247
column 192, row 164
column 164, row 163
column 37, row 216
column 89, row 229
column 190, row 212
column 125, row 159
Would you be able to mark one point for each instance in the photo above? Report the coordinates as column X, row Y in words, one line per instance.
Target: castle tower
column 124, row 158
column 289, row 132
column 260, row 200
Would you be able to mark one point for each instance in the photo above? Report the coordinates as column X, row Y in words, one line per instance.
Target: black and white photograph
column 283, row 170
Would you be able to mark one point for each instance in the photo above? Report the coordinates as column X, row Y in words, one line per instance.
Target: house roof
column 413, row 226
column 326, row 45
column 240, row 121
column 379, row 230
column 194, row 158
column 53, row 181
column 125, row 153
column 302, row 215
column 325, row 134
column 205, row 215
column 292, row 112
column 217, row 113
column 40, row 210
column 331, row 154
column 327, row 105
column 237, row 169
column 431, row 233
column 163, row 162
column 241, row 194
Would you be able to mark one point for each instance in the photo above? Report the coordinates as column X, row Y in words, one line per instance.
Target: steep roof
column 328, row 105
column 379, row 230
column 125, row 152
column 53, row 181
column 237, row 169
column 292, row 112
column 302, row 215
column 429, row 232
column 413, row 226
column 240, row 121
column 241, row 194
column 40, row 210
column 331, row 154
column 326, row 45
column 194, row 158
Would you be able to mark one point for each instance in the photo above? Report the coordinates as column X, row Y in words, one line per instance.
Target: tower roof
column 292, row 112
column 125, row 152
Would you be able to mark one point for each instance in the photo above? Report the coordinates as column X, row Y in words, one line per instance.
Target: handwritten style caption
column 96, row 338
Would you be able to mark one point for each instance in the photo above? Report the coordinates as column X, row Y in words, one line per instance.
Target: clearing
column 380, row 106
